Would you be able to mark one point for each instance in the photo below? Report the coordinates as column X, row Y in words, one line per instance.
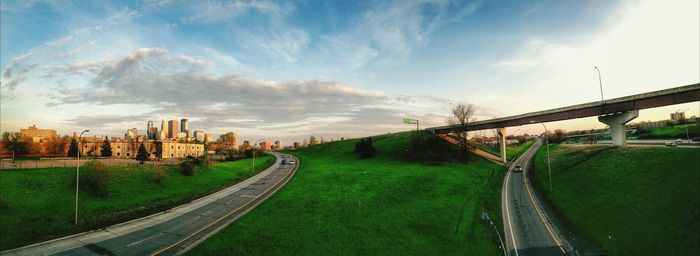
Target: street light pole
column 600, row 82
column 687, row 135
column 255, row 144
column 549, row 165
column 77, row 177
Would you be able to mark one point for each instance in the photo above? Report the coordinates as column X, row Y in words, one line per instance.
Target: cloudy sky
column 290, row 69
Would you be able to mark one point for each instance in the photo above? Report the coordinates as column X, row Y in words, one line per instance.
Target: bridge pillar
column 617, row 125
column 502, row 140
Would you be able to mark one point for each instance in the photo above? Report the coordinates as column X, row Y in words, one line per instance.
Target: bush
column 365, row 148
column 94, row 177
column 187, row 168
column 159, row 174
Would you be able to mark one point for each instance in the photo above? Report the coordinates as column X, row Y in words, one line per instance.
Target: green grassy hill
column 339, row 204
column 670, row 132
column 38, row 205
column 627, row 201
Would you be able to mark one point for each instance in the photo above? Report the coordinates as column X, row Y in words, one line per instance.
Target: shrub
column 187, row 168
column 428, row 147
column 94, row 177
column 364, row 148
column 159, row 174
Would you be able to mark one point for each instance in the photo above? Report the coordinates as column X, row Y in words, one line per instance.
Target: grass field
column 38, row 205
column 627, row 201
column 511, row 150
column 672, row 132
column 338, row 204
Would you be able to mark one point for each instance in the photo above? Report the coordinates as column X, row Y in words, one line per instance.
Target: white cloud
column 649, row 46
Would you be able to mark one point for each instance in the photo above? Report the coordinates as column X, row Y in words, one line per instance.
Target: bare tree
column 462, row 115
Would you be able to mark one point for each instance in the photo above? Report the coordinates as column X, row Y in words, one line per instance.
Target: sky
column 290, row 69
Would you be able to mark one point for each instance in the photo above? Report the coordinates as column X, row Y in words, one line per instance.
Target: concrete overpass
column 613, row 112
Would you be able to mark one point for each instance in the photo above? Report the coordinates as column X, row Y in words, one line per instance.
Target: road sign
column 410, row 121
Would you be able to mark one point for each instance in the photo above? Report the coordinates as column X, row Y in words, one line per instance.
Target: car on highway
column 518, row 168
column 284, row 161
column 670, row 144
column 678, row 141
column 291, row 161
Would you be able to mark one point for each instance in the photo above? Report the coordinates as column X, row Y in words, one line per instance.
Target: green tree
column 143, row 154
column 159, row 150
column 73, row 149
column 106, row 147
column 13, row 142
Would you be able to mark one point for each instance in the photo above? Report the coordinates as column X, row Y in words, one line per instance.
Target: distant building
column 173, row 130
column 124, row 149
column 297, row 144
column 266, row 145
column 164, row 129
column 131, row 134
column 149, row 128
column 37, row 134
column 208, row 137
column 184, row 125
column 678, row 116
column 312, row 140
column 199, row 136
column 182, row 135
column 278, row 144
column 154, row 134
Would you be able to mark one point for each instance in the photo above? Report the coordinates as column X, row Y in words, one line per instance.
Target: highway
column 527, row 227
column 177, row 230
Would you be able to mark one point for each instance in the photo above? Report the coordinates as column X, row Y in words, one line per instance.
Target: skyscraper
column 149, row 128
column 173, row 129
column 184, row 125
column 164, row 129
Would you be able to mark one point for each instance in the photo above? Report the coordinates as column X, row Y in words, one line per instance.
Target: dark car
column 518, row 168
column 284, row 161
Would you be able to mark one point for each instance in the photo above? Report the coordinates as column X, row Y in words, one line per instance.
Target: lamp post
column 600, row 82
column 255, row 144
column 77, row 177
column 687, row 135
column 549, row 165
column 12, row 140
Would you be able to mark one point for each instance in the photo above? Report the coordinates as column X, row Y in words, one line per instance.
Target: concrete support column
column 617, row 125
column 502, row 140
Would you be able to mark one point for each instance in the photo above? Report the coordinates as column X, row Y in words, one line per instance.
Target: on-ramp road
column 177, row 230
column 528, row 228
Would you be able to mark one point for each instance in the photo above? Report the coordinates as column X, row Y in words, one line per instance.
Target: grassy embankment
column 511, row 150
column 38, row 205
column 671, row 132
column 628, row 201
column 340, row 204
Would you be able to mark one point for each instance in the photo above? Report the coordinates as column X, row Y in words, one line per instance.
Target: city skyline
column 358, row 73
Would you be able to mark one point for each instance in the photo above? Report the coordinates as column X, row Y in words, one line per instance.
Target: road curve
column 177, row 230
column 528, row 228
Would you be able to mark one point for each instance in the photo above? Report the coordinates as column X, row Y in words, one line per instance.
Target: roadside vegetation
column 341, row 204
column 677, row 131
column 512, row 151
column 626, row 201
column 38, row 205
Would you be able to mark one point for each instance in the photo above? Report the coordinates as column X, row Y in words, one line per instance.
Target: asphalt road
column 528, row 228
column 181, row 233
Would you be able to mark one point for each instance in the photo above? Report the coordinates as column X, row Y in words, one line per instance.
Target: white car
column 678, row 141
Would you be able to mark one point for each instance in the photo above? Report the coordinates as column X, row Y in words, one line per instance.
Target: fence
column 59, row 163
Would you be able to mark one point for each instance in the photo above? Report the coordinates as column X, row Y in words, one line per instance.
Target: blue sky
column 290, row 69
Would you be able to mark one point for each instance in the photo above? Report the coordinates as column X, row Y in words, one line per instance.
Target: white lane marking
column 537, row 209
column 510, row 225
column 145, row 239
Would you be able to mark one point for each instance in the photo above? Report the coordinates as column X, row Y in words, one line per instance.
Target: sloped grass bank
column 38, row 205
column 339, row 204
column 628, row 201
